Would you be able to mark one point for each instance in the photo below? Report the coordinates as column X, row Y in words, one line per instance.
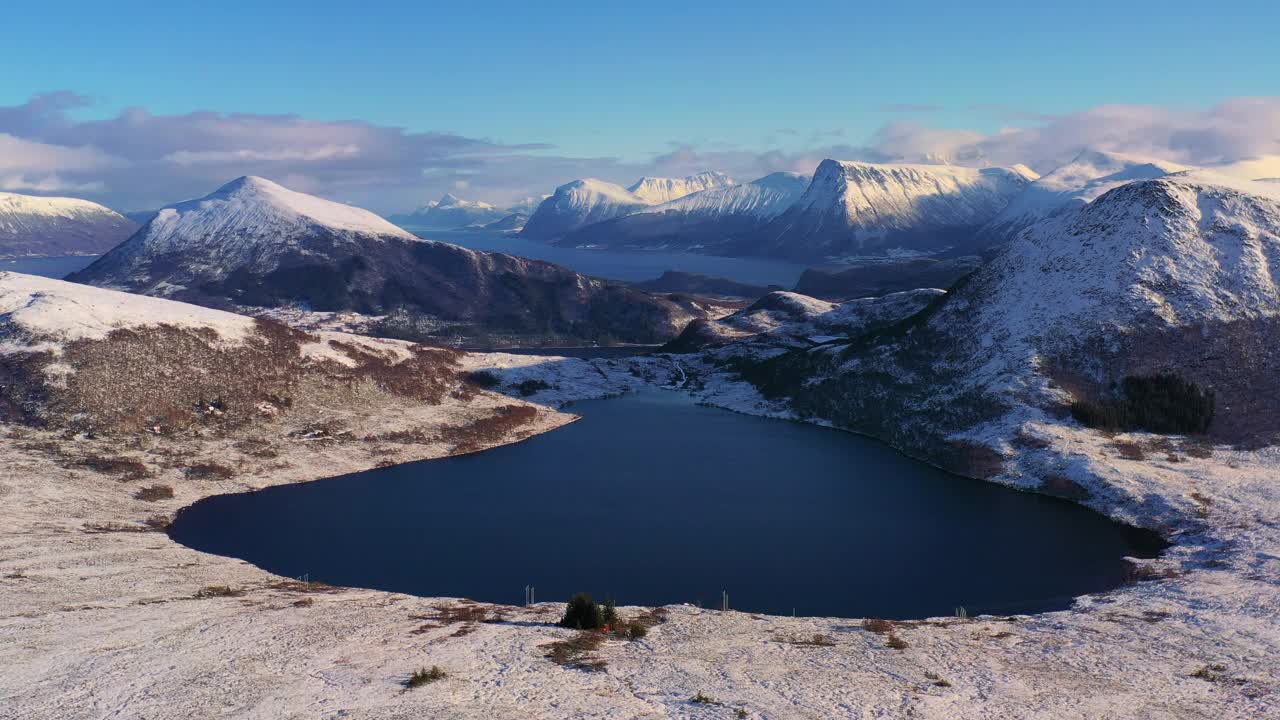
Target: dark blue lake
column 651, row 499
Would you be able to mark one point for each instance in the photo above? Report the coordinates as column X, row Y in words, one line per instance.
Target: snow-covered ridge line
column 50, row 309
column 582, row 202
column 256, row 205
column 37, row 225
column 658, row 190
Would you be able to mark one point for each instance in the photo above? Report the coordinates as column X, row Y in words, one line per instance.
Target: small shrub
column 1199, row 450
column 532, row 386
column 423, row 676
column 582, row 613
column 153, row 493
column 1212, row 673
column 212, row 591
column 877, row 626
column 609, row 614
column 577, row 651
column 937, row 679
column 484, row 378
column 702, row 699
column 209, row 471
column 895, row 642
column 1129, row 450
column 125, row 468
column 815, row 640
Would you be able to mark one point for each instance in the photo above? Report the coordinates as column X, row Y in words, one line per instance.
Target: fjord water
column 627, row 266
column 651, row 499
column 52, row 267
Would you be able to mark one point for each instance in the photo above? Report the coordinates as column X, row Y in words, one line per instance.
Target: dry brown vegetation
column 489, row 430
column 214, row 591
column 1129, row 450
column 815, row 640
column 209, row 471
column 577, row 651
column 153, row 493
column 125, row 468
column 1064, row 487
column 165, row 379
column 877, row 626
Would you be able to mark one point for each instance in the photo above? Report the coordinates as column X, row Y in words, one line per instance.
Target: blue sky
column 633, row 81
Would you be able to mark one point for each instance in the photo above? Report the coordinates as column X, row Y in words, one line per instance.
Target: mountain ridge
column 34, row 225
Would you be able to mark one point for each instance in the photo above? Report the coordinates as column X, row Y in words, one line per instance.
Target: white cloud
column 244, row 155
column 138, row 160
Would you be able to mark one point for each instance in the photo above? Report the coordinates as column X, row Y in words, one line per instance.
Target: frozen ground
column 102, row 616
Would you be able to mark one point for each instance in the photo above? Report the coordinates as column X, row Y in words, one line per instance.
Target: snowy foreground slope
column 254, row 244
column 102, row 616
column 50, row 226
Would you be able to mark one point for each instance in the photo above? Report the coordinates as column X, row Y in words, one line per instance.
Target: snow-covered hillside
column 513, row 222
column 711, row 220
column 867, row 209
column 784, row 320
column 1191, row 247
column 583, row 202
column 451, row 212
column 255, row 244
column 657, row 190
column 32, row 225
column 580, row 203
column 1070, row 187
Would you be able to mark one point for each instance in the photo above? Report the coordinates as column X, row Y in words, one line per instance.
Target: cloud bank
column 139, row 160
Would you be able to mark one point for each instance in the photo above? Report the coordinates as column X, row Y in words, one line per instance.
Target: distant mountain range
column 583, row 202
column 846, row 210
column 255, row 244
column 450, row 212
column 31, row 225
column 719, row 220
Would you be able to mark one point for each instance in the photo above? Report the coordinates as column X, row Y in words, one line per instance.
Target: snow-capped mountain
column 33, row 225
column 451, row 212
column 1191, row 247
column 583, row 202
column 580, row 203
column 1070, row 187
column 712, row 220
column 657, row 190
column 509, row 223
column 869, row 209
column 253, row 243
